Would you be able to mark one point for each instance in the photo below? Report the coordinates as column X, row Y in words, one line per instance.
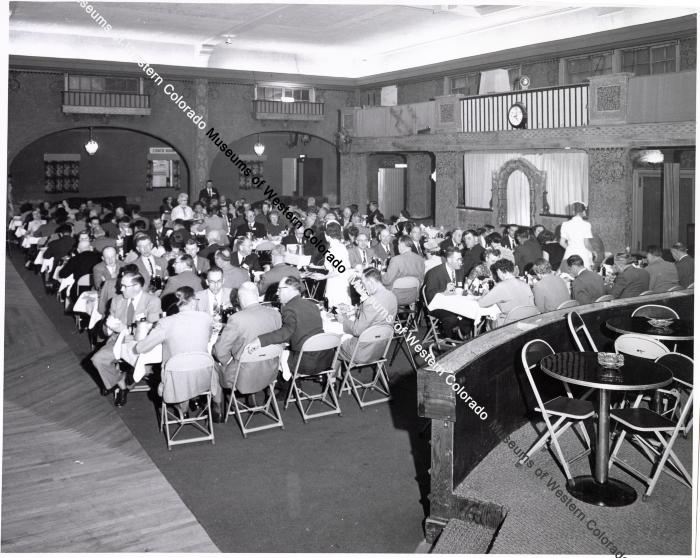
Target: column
column 450, row 179
column 202, row 144
column 353, row 179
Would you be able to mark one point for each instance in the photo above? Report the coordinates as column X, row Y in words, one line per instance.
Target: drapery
column 671, row 211
column 567, row 177
column 518, row 193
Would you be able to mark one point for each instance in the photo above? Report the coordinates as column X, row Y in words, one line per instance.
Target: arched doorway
column 536, row 180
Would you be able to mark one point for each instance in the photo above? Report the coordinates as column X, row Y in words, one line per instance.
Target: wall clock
column 517, row 115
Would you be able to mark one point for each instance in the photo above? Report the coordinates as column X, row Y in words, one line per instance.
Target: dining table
column 583, row 369
column 677, row 330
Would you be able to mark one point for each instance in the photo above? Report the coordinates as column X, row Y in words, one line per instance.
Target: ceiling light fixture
column 259, row 147
column 651, row 156
column 91, row 146
column 287, row 99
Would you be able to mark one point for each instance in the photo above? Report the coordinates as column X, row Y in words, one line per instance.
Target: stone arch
column 499, row 184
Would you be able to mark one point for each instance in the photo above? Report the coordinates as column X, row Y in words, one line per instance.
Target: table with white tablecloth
column 467, row 306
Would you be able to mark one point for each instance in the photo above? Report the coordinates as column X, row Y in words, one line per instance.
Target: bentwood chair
column 323, row 373
column 184, row 377
column 655, row 311
column 520, row 313
column 369, row 352
column 566, row 411
column 256, row 372
column 642, row 424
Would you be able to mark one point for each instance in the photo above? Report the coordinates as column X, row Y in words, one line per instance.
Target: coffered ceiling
column 317, row 39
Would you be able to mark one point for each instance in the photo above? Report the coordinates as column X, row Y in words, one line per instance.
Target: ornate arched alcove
column 537, row 180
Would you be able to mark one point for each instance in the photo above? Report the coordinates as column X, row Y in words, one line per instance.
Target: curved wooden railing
column 489, row 368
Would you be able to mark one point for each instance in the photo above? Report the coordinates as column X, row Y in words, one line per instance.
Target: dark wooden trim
column 555, row 215
column 469, row 207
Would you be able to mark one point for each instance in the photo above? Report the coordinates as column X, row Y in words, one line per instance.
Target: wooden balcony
column 279, row 110
column 100, row 102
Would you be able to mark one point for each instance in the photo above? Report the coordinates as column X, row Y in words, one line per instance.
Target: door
column 289, row 176
column 311, row 176
column 686, row 207
column 647, row 212
column 390, row 191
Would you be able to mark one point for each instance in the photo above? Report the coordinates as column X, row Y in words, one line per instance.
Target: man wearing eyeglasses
column 215, row 297
column 132, row 305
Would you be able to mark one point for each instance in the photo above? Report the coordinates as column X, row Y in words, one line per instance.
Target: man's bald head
column 109, row 255
column 247, row 294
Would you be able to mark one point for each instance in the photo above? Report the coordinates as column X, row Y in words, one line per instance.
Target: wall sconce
column 305, row 139
column 259, row 147
column 91, row 146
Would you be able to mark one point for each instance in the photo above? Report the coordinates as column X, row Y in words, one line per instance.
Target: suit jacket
column 408, row 264
column 160, row 268
column 185, row 332
column 418, row 249
column 686, row 270
column 526, row 254
column 356, row 256
column 550, row 292
column 662, row 276
column 100, row 273
column 631, row 282
column 301, row 319
column 148, row 306
column 436, row 280
column 276, row 273
column 292, row 239
column 203, row 303
column 234, row 277
column 471, row 258
column 259, row 230
column 203, row 193
column 80, row 264
column 243, row 327
column 201, row 265
column 381, row 252
column 160, row 238
column 185, row 279
column 587, row 287
column 509, row 242
column 445, row 244
column 208, row 252
column 369, row 315
column 103, row 242
column 59, row 248
column 251, row 260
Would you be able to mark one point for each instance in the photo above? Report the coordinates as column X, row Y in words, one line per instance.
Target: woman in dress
column 575, row 237
column 337, row 286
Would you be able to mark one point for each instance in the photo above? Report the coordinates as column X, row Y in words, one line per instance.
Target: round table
column 582, row 369
column 678, row 330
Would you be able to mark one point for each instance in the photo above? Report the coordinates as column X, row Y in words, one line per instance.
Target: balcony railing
column 551, row 107
column 279, row 110
column 101, row 102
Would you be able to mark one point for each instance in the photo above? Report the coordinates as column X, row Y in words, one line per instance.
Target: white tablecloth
column 466, row 306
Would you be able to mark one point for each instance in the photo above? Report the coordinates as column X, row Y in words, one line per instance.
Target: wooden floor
column 74, row 479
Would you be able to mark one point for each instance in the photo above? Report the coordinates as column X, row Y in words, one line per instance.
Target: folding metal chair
column 256, row 372
column 655, row 311
column 185, row 376
column 645, row 293
column 691, row 286
column 640, row 346
column 604, row 298
column 567, row 304
column 406, row 315
column 374, row 343
column 682, row 367
column 580, row 332
column 567, row 410
column 326, row 373
column 674, row 289
column 520, row 313
column 432, row 337
column 642, row 423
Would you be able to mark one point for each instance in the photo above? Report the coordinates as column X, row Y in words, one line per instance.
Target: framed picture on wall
column 61, row 172
column 256, row 165
column 163, row 168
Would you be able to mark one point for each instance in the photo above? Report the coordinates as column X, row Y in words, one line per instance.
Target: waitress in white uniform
column 337, row 284
column 576, row 234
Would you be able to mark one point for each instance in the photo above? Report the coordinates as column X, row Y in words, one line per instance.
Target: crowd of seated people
column 145, row 267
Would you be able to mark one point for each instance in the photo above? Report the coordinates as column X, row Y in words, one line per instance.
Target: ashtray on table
column 660, row 323
column 611, row 360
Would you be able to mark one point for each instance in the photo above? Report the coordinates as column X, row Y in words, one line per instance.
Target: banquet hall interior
column 349, row 278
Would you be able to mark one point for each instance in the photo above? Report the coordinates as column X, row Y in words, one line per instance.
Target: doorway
column 310, row 173
column 391, row 185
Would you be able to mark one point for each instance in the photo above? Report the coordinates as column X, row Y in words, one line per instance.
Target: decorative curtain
column 671, row 210
column 567, row 178
column 478, row 176
column 390, row 186
column 518, row 193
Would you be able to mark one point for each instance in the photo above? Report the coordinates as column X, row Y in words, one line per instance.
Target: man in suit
column 630, row 280
column 587, row 286
column 215, row 296
column 662, row 274
column 184, row 277
column 81, row 264
column 509, row 238
column 149, row 265
column 685, row 265
column 62, row 246
column 527, row 251
column 550, row 290
column 216, row 240
column 257, row 229
column 249, row 323
column 159, row 234
column 454, row 240
column 278, row 270
column 384, row 246
column 471, row 254
column 406, row 264
column 296, row 237
column 208, row 192
column 415, row 236
column 361, row 255
column 200, row 264
column 130, row 306
column 443, row 279
column 301, row 319
column 374, row 216
column 234, row 277
column 107, row 268
column 375, row 310
column 244, row 257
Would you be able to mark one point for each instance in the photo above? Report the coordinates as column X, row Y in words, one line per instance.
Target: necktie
column 130, row 313
column 364, row 257
column 452, row 276
column 150, row 265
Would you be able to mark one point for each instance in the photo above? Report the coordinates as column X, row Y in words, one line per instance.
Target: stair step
column 464, row 537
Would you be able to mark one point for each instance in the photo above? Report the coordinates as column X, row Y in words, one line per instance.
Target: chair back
column 691, row 286
column 580, row 332
column 604, row 298
column 520, row 313
column 315, row 344
column 655, row 311
column 408, row 287
column 265, row 247
column 567, row 304
column 675, row 288
column 645, row 293
column 531, row 354
column 373, row 344
column 84, row 280
column 187, row 375
column 640, row 346
column 680, row 365
column 257, row 370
